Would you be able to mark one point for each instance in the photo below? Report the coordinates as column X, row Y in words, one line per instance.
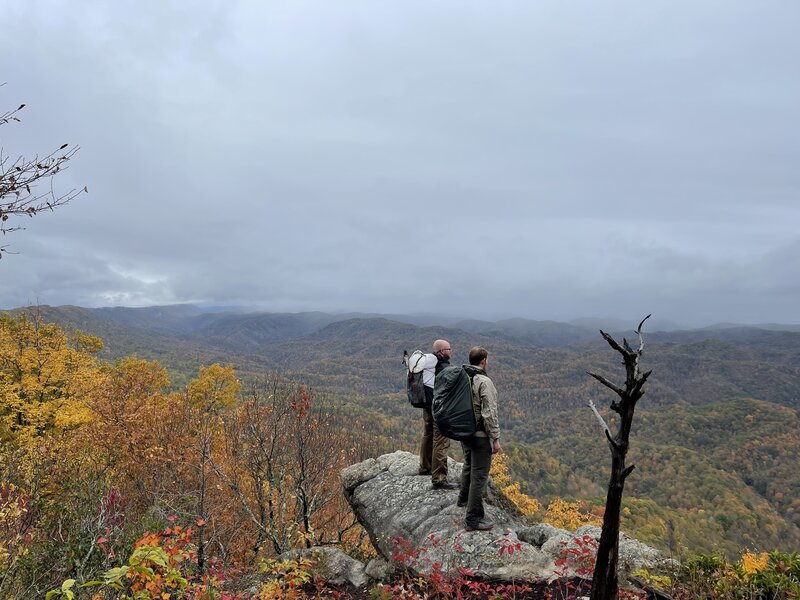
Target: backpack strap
column 419, row 358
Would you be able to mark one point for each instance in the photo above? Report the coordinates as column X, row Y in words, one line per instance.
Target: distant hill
column 539, row 333
column 653, row 324
column 251, row 332
column 768, row 326
column 164, row 318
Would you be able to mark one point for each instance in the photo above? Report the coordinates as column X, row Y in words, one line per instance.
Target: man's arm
column 428, row 363
column 491, row 422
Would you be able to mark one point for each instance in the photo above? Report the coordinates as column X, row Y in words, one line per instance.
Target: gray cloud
column 540, row 159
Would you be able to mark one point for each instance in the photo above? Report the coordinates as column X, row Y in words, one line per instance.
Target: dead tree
column 605, row 585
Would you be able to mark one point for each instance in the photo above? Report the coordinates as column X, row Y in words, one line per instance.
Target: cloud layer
column 546, row 159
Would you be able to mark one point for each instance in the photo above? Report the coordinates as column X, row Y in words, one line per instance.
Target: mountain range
column 716, row 439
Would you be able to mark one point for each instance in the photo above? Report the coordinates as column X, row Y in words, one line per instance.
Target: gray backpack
column 415, row 388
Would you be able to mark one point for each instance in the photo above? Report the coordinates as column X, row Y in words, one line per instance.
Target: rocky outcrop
column 404, row 515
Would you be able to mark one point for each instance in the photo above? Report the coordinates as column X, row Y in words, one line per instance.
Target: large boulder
column 633, row 554
column 331, row 565
column 406, row 518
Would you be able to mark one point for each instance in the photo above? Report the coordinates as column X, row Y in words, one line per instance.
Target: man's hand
column 496, row 446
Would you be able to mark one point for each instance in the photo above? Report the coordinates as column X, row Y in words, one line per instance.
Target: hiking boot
column 482, row 526
column 445, row 485
column 424, row 472
column 461, row 503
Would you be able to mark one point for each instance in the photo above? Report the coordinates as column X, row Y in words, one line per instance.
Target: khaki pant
column 433, row 450
column 474, row 476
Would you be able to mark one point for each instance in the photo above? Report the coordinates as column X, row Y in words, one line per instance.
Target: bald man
column 434, row 447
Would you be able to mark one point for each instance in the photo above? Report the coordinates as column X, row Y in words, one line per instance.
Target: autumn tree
column 284, row 448
column 605, row 584
column 45, row 375
column 140, row 435
column 215, row 389
column 46, row 381
column 26, row 183
column 254, row 474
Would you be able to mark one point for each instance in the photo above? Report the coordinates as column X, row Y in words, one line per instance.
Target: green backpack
column 452, row 408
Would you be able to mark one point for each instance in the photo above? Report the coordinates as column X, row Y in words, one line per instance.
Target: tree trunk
column 605, row 583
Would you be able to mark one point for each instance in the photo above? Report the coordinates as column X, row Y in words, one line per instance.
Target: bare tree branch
column 20, row 178
column 612, row 342
column 599, row 417
column 607, row 383
column 639, row 332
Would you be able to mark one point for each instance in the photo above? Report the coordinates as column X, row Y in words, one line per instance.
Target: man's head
column 442, row 348
column 478, row 357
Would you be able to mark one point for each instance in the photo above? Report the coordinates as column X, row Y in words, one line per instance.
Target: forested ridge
column 715, row 442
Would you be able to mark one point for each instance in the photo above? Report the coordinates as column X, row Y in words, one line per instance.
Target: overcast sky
column 545, row 159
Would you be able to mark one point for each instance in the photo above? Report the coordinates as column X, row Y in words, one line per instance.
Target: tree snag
column 605, row 585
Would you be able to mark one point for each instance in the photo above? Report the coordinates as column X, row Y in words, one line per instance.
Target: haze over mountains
column 203, row 322
column 716, row 439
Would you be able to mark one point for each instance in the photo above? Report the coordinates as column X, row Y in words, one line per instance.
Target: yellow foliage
column 660, row 581
column 47, row 382
column 527, row 505
column 568, row 515
column 215, row 387
column 86, row 343
column 46, row 378
column 752, row 563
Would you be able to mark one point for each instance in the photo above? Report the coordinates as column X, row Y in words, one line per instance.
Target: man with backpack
column 434, row 446
column 478, row 448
